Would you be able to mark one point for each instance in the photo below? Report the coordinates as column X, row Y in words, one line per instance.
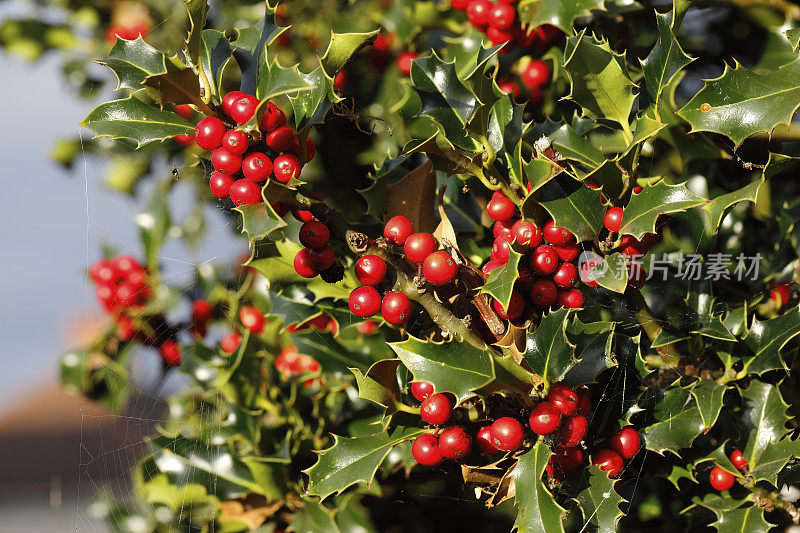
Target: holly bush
column 519, row 265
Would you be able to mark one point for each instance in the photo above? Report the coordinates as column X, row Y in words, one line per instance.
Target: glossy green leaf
column 709, row 397
column 643, row 210
column 735, row 515
column 537, row 509
column 259, row 220
column 215, row 53
column 379, row 383
column 313, row 516
column 573, row 206
column 500, row 284
column 131, row 118
column 766, row 339
column 557, row 12
column 548, row 350
column 741, row 102
column 251, row 44
column 353, row 460
column 342, row 47
column 600, row 502
column 197, row 11
column 456, row 367
column 506, row 129
column 709, row 322
column 719, row 206
column 678, row 422
column 612, row 273
column 571, row 145
column 667, row 58
column 132, row 62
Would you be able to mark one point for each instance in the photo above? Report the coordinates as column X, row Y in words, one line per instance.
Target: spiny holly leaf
column 445, row 98
column 735, row 515
column 568, row 142
column 599, row 84
column 600, row 502
column 645, row 127
column 350, row 461
column 177, row 85
column 276, row 261
column 538, row 171
column 379, row 384
column 537, row 509
column 767, row 338
column 612, row 273
column 342, row 47
column 335, row 356
column 608, row 176
column 678, row 422
column 275, row 79
column 501, row 281
column 215, row 53
column 197, row 10
column 709, row 323
column 667, row 58
column 573, row 206
column 311, row 106
column 741, row 103
column 130, row 118
column 259, row 220
column 313, row 516
column 593, row 342
column 717, row 207
column 456, row 367
column 678, row 473
column 708, row 395
column 251, row 44
column 557, row 12
column 765, row 420
column 643, row 210
column 132, row 62
column 548, row 350
column 506, row 129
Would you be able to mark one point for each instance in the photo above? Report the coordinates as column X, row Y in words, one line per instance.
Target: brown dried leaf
column 253, row 510
column 413, row 198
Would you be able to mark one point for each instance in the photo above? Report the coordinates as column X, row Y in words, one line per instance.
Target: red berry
column 230, row 342
column 544, row 293
column 566, row 276
column 370, row 270
column 536, row 75
column 209, row 132
column 245, row 192
column 478, row 12
column 500, row 208
column 436, row 409
column 501, row 250
column 226, row 162
column 501, row 229
column 340, row 81
column 738, row 460
column 171, row 352
column 439, row 268
column 252, row 318
column 502, row 16
column 508, row 87
column 454, row 442
column 235, row 142
column 397, row 230
column 323, row 258
column 220, row 184
column 273, row 118
column 287, row 167
column 315, row 235
column 127, row 294
column 625, row 443
column 563, row 398
column 302, row 215
column 609, row 461
column 498, row 36
column 126, row 329
column 404, row 62
column 573, row 430
column 184, row 111
column 545, row 418
column 257, row 167
column 186, row 140
column 721, row 479
column 368, row 327
column 781, row 293
column 567, row 252
column 490, row 266
column 584, row 403
column 280, row 208
column 395, row 308
column 544, row 260
column 103, row 271
column 515, row 307
column 484, row 440
column 311, row 149
column 421, row 389
column 243, row 108
column 566, row 460
column 527, row 233
column 280, row 139
column 303, row 265
column 419, row 246
column 426, row 450
column 126, row 265
column 364, row 302
column 637, row 189
column 558, row 236
column 507, row 434
column 229, row 99
column 613, row 220
column 460, row 5
column 201, row 311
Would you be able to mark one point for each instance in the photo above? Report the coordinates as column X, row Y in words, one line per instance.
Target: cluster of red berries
column 535, row 75
column 202, row 313
column 128, row 31
column 317, row 256
column 500, row 22
column 721, row 479
column 452, row 442
column 550, row 274
column 243, row 161
column 290, row 363
column 622, row 447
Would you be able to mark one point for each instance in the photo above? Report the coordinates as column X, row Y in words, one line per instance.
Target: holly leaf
column 313, row 516
column 573, row 206
column 600, row 502
column 708, row 395
column 132, row 62
column 557, row 12
column 678, row 473
column 353, row 460
column 667, row 58
column 506, row 129
column 735, row 515
column 709, row 324
column 764, row 419
column 741, row 102
column 259, row 220
column 537, row 509
column 593, row 342
column 251, row 44
column 599, row 83
column 569, row 143
column 130, row 118
column 643, row 210
column 215, row 53
column 276, row 261
column 717, row 207
column 342, row 47
column 500, row 284
column 678, row 422
column 455, row 367
column 178, row 85
column 548, row 350
column 197, row 11
column 379, row 384
column 766, row 339
column 612, row 273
